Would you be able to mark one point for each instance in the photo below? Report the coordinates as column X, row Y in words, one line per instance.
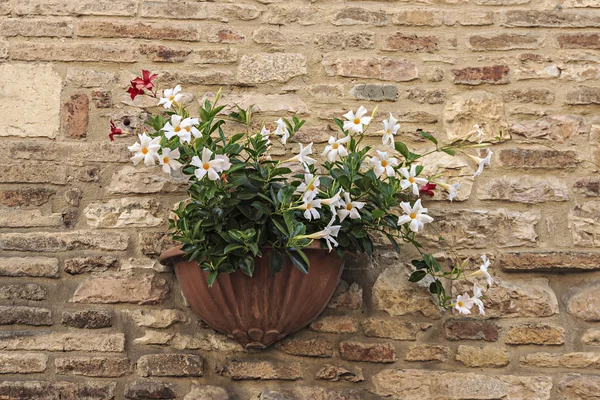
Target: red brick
column 370, row 352
column 537, row 158
column 504, row 41
column 579, row 41
column 75, row 116
column 159, row 53
column 225, row 34
column 470, row 329
column 137, row 30
column 409, row 43
column 494, row 75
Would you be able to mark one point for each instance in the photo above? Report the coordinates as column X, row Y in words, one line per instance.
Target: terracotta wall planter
column 260, row 310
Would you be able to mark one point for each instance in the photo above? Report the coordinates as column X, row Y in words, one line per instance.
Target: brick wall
column 86, row 312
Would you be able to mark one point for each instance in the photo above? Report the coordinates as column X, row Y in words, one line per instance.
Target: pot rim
column 168, row 256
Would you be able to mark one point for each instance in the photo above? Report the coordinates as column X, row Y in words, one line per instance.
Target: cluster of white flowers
column 464, row 303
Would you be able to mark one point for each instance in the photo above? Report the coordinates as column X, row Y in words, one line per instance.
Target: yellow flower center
column 335, row 146
column 188, row 128
column 308, row 206
column 177, row 129
column 388, row 131
column 311, row 188
column 206, row 166
column 384, row 163
column 144, row 150
column 172, row 98
column 411, row 179
column 413, row 215
column 460, row 303
column 349, row 206
column 356, row 121
column 166, row 160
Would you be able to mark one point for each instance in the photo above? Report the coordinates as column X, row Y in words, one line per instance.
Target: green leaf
column 394, row 243
column 212, row 277
column 298, row 261
column 402, row 149
column 378, row 214
column 231, row 247
column 449, row 151
column 428, row 136
column 436, row 287
column 276, row 261
column 247, row 265
column 417, row 275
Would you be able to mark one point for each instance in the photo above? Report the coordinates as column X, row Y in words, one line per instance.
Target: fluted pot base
column 260, row 310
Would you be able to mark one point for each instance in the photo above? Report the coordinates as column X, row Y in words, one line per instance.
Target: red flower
column 145, row 82
column 428, row 189
column 114, row 131
column 134, row 90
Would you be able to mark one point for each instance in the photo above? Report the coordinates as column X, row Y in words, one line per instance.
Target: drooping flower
column 453, row 191
column 114, row 131
column 134, row 90
column 483, row 268
column 477, row 294
column 308, row 188
column 428, row 189
column 146, row 149
column 390, row 128
column 265, row 133
column 302, row 156
column 184, row 128
column 168, row 159
column 170, row 97
column 481, row 162
column 415, row 215
column 225, row 163
column 310, row 207
column 333, row 202
column 145, row 82
column 328, row 233
column 282, row 130
column 206, row 166
column 479, row 133
column 410, row 179
column 463, row 304
column 349, row 208
column 336, row 148
column 383, row 164
column 356, row 122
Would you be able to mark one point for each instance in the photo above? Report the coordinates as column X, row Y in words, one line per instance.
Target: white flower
column 411, row 179
column 182, row 128
column 383, row 163
column 484, row 269
column 308, row 188
column 463, row 304
column 170, row 97
column 479, row 131
column 225, row 165
column 477, row 293
column 349, row 208
column 333, row 202
column 310, row 208
column 209, row 167
column 482, row 162
column 453, row 190
column 335, row 148
column 302, row 156
column 146, row 149
column 265, row 133
column 415, row 215
column 390, row 128
column 282, row 131
column 328, row 234
column 356, row 121
column 168, row 159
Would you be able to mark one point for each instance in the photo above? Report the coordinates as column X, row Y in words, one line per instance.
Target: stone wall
column 86, row 312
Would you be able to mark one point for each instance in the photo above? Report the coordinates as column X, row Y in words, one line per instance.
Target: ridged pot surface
column 260, row 310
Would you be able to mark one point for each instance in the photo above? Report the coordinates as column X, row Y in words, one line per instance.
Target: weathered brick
column 219, row 56
column 420, row 384
column 347, row 296
column 143, row 390
column 550, row 19
column 504, row 41
column 369, row 352
column 263, row 67
column 345, row 40
column 482, row 357
column 46, row 390
column 409, row 43
column 425, row 96
column 334, row 324
column 375, row 92
column 27, row 196
column 462, row 111
column 34, row 87
column 198, row 10
column 469, row 18
column 102, row 98
column 263, row 370
column 548, row 261
column 122, row 288
column 470, row 329
column 157, row 318
column 137, row 30
column 98, row 367
column 116, row 52
column 537, row 158
column 583, row 95
column 528, row 189
column 284, row 15
column 75, row 116
column 578, row 387
column 76, row 8
column 87, row 319
column 308, row 347
column 535, row 96
column 123, row 213
column 154, row 243
column 62, row 241
column 277, row 39
column 225, row 34
column 535, row 333
column 589, row 186
column 61, row 341
column 579, row 360
column 557, row 128
column 360, row 16
column 400, row 70
column 393, row 329
column 27, row 363
column 83, row 265
column 579, row 41
column 582, row 300
column 22, row 291
column 493, row 75
column 583, row 221
column 36, row 27
column 581, row 3
column 159, row 53
column 21, row 315
column 418, row 17
column 130, row 180
column 335, row 373
column 426, row 352
column 179, row 365
column 30, row 219
column 29, row 266
column 84, row 77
